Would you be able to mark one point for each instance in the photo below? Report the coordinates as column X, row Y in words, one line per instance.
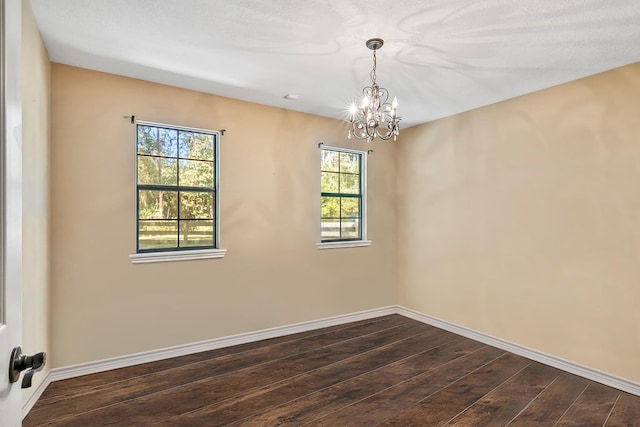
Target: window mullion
column 178, row 133
column 340, row 195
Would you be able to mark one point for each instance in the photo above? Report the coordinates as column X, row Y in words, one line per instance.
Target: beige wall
column 272, row 275
column 36, row 70
column 522, row 220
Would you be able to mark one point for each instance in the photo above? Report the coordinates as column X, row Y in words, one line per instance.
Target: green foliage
column 158, row 204
column 330, row 207
column 196, row 205
column 350, row 162
column 330, row 161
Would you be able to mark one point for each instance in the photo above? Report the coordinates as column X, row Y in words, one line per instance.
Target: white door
column 10, row 207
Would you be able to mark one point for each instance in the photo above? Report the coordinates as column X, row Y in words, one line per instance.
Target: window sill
column 176, row 255
column 344, row 244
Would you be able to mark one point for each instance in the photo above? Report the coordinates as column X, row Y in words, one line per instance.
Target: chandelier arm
column 384, row 136
column 385, row 93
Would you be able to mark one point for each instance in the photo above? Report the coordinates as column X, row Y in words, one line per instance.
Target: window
column 177, row 181
column 343, row 201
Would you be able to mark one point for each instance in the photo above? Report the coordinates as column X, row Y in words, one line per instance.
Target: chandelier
column 375, row 117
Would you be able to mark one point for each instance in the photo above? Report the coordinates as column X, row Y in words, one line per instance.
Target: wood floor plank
column 306, row 384
column 626, row 412
column 78, row 385
column 383, row 405
column 309, row 395
column 551, row 403
column 592, row 408
column 502, row 404
column 210, row 389
column 447, row 403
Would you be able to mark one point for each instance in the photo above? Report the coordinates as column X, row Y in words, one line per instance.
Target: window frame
column 188, row 252
column 351, row 242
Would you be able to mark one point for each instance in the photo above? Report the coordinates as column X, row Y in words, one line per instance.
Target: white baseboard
column 35, row 394
column 538, row 356
column 181, row 350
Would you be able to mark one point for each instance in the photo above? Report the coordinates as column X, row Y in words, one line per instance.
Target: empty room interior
column 496, row 208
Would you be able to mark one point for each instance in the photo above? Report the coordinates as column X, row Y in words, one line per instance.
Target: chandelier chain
column 373, row 71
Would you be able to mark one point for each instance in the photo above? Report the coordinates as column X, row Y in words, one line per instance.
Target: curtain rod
column 320, row 144
column 133, row 120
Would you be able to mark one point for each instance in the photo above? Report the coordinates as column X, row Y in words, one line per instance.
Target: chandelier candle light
column 375, row 117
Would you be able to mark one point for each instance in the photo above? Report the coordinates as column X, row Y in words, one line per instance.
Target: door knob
column 20, row 362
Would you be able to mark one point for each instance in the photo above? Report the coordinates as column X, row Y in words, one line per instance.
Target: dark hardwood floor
column 389, row 371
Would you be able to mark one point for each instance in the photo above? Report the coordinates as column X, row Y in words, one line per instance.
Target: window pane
column 147, row 139
column 349, row 184
column 157, row 170
column 329, row 182
column 350, row 162
column 196, row 146
column 195, row 173
column 157, row 141
column 196, row 233
column 330, row 229
column 350, row 207
column 157, row 234
column 168, row 142
column 330, row 161
column 350, row 228
column 330, row 207
column 157, row 204
column 196, row 205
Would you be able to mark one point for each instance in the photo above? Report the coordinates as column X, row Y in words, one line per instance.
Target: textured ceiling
column 440, row 57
